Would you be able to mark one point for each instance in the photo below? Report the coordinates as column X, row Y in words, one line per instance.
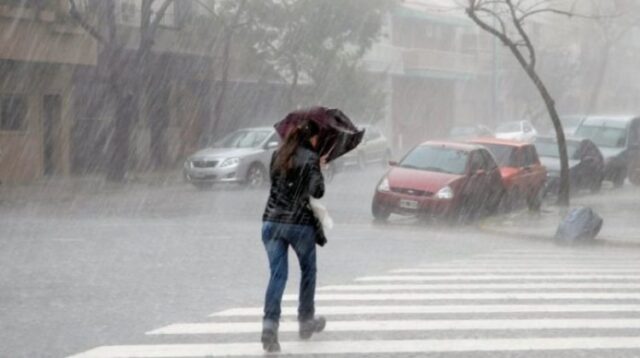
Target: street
column 169, row 270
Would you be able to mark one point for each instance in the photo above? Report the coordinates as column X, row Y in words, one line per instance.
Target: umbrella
column 338, row 135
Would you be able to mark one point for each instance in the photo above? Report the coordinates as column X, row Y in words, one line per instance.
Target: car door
column 478, row 179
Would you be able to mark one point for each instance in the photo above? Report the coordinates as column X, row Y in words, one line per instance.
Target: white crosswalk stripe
column 511, row 300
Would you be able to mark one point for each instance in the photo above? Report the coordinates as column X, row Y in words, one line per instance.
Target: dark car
column 440, row 179
column 586, row 164
column 618, row 138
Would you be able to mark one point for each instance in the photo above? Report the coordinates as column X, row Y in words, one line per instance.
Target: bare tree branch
column 82, row 22
column 527, row 41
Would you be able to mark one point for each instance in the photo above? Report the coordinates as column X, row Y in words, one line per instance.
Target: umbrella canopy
column 338, row 135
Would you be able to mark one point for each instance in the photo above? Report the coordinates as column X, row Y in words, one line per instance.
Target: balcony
column 447, row 63
column 41, row 31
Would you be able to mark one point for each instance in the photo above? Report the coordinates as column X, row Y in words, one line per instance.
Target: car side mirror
column 272, row 145
column 393, row 163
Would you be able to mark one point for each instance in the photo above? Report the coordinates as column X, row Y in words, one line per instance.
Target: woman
column 288, row 221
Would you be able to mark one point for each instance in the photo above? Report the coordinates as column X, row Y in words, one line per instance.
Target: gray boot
column 270, row 336
column 309, row 327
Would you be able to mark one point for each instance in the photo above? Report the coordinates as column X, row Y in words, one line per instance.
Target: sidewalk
column 619, row 209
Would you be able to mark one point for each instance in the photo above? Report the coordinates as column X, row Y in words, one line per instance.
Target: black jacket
column 289, row 196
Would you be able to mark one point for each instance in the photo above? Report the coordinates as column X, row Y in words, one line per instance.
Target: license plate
column 408, row 204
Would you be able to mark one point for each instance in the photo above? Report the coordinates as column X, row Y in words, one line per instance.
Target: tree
column 115, row 66
column 308, row 42
column 616, row 19
column 505, row 19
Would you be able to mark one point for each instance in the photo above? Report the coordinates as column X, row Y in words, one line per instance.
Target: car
column 242, row 157
column 470, row 131
column 516, row 130
column 523, row 176
column 618, row 138
column 570, row 123
column 440, row 179
column 374, row 148
column 586, row 164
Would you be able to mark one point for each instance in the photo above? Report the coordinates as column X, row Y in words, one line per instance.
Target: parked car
column 374, row 148
column 618, row 138
column 471, row 131
column 523, row 176
column 586, row 164
column 440, row 179
column 570, row 123
column 241, row 157
column 516, row 130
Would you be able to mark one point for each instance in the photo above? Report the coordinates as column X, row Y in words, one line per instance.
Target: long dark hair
column 299, row 135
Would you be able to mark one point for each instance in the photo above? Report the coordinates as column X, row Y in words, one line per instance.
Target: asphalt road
column 83, row 269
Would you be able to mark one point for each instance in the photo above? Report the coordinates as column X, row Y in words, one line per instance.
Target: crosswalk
column 505, row 302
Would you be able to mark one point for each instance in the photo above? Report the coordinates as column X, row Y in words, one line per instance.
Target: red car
column 440, row 179
column 523, row 175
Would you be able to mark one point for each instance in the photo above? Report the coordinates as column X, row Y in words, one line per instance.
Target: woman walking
column 288, row 221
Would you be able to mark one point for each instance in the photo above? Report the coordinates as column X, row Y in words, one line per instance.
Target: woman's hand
column 323, row 160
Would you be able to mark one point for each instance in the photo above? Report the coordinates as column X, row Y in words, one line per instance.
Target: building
column 434, row 64
column 39, row 52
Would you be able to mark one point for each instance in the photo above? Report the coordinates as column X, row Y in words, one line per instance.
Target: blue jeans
column 276, row 238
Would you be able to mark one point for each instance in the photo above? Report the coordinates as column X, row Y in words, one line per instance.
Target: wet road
column 94, row 271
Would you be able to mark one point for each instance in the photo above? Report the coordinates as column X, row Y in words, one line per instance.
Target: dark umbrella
column 338, row 135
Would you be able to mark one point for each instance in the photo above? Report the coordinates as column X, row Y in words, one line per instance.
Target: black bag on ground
column 579, row 225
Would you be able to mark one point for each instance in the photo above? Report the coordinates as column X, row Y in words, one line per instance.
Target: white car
column 516, row 130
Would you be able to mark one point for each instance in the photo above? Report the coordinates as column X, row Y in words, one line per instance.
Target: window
column 530, row 156
column 490, row 164
column 13, row 112
column 436, row 159
column 477, row 162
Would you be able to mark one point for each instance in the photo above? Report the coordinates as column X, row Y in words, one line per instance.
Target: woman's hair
column 297, row 136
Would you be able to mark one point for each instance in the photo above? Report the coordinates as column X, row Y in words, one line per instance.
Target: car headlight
column 384, row 185
column 230, row 162
column 445, row 193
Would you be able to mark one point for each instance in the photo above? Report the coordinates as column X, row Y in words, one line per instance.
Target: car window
column 530, row 157
column 244, row 139
column 604, row 136
column 274, row 138
column 634, row 133
column 546, row 148
column 504, row 154
column 476, row 162
column 489, row 162
column 437, row 159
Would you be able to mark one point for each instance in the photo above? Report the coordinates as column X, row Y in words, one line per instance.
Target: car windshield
column 243, row 139
column 505, row 155
column 509, row 127
column 604, row 136
column 436, row 159
column 550, row 149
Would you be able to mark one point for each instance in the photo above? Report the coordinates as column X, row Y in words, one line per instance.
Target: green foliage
column 320, row 44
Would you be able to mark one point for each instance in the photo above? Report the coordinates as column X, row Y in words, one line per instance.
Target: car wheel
column 619, row 177
column 203, row 185
column 534, row 200
column 596, row 185
column 634, row 173
column 512, row 200
column 380, row 213
column 256, row 176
